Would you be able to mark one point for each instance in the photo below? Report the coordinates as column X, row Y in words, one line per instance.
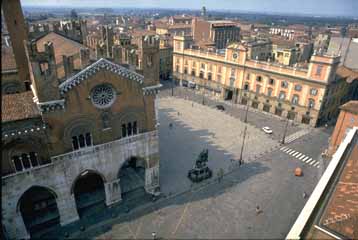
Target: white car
column 267, row 130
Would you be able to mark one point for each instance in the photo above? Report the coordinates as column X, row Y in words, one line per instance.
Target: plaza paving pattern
column 197, row 127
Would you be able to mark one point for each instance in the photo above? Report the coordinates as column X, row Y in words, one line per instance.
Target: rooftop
column 62, row 46
column 352, row 107
column 18, row 106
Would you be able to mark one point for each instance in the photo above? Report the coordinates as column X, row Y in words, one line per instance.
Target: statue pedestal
column 200, row 174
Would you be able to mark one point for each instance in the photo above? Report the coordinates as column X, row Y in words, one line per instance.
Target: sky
column 312, row 7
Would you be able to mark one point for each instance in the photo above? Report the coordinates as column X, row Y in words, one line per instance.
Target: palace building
column 298, row 93
column 82, row 139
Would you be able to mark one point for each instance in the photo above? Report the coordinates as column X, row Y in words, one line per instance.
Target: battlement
column 45, row 56
column 150, row 41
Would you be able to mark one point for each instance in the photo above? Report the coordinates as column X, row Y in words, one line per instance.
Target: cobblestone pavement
column 255, row 117
column 197, row 127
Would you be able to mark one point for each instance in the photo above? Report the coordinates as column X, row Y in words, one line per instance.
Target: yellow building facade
column 295, row 93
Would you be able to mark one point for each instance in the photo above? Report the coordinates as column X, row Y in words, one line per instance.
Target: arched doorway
column 132, row 177
column 39, row 210
column 89, row 193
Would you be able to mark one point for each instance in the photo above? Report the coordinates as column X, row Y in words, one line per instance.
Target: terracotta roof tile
column 18, row 107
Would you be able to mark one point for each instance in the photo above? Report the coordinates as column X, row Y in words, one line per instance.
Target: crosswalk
column 300, row 156
column 296, row 135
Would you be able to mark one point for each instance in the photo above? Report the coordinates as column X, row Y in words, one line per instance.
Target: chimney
column 68, row 65
column 117, row 54
column 84, row 57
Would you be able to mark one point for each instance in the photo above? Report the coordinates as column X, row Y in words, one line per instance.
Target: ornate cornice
column 151, row 90
column 23, row 131
column 51, row 106
column 101, row 64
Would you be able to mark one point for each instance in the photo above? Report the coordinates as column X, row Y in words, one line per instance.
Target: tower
column 149, row 46
column 15, row 23
column 323, row 67
column 42, row 66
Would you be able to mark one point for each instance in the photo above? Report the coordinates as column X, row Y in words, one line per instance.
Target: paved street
column 213, row 209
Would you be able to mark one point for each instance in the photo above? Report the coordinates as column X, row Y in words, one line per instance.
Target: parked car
column 220, row 107
column 267, row 130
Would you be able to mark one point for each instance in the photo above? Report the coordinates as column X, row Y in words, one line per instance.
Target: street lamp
column 242, row 146
column 246, row 111
column 284, row 133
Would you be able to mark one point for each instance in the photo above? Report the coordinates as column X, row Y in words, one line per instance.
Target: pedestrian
column 304, row 195
column 178, row 113
column 170, row 125
column 192, row 104
column 258, row 210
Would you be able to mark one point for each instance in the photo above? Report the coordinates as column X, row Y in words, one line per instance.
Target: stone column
column 117, row 54
column 84, row 57
column 113, row 192
column 152, row 179
column 66, row 205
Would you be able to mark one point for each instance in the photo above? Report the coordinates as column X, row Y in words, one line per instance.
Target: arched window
column 246, row 86
column 311, row 103
column 25, row 161
column 284, row 84
column 295, row 99
column 269, row 92
column 282, row 96
column 129, row 129
column 82, row 141
column 298, row 87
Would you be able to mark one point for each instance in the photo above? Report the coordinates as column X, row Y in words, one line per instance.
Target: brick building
column 83, row 138
column 300, row 94
column 347, row 119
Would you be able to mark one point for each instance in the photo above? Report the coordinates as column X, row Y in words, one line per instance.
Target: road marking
column 302, row 156
column 316, row 164
column 287, row 150
column 291, row 151
column 283, row 148
column 294, row 155
column 303, row 160
column 130, row 230
column 309, row 160
column 299, row 155
column 181, row 219
column 312, row 162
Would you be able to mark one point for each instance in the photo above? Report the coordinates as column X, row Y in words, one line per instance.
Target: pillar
column 68, row 65
column 15, row 226
column 84, row 57
column 117, row 54
column 113, row 192
column 152, row 179
column 66, row 205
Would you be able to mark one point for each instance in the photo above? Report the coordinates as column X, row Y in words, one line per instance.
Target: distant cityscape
column 155, row 123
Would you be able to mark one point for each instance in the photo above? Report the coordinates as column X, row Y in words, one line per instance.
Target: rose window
column 103, row 96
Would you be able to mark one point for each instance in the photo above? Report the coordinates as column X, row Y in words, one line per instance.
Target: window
column 177, row 60
column 271, row 81
column 269, row 92
column 103, row 96
column 203, row 66
column 232, row 72
column 209, row 76
column 201, row 74
column 258, row 78
column 284, row 84
column 193, row 72
column 246, row 86
column 295, row 99
column 218, row 77
column 185, row 70
column 25, row 161
column 319, row 70
column 313, row 91
column 186, row 62
column 298, row 87
column 81, row 141
column 219, row 69
column 248, row 76
column 282, row 96
column 129, row 129
column 177, row 68
column 311, row 103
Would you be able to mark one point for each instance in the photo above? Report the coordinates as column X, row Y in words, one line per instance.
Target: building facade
column 347, row 120
column 292, row 92
column 83, row 138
